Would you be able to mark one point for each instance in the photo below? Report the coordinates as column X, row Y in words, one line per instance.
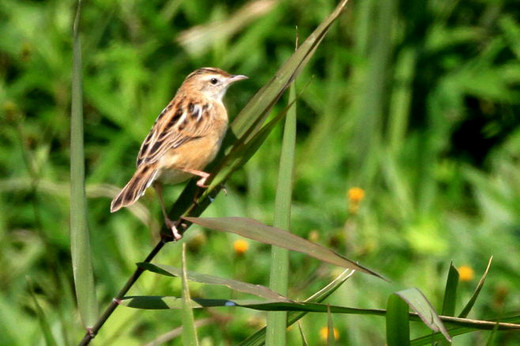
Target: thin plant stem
column 79, row 235
column 91, row 333
column 277, row 320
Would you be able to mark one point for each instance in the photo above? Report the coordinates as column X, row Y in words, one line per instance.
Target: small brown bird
column 185, row 137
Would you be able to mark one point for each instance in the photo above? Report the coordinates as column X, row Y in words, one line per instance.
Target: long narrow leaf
column 168, row 302
column 450, row 293
column 42, row 319
column 491, row 341
column 79, row 237
column 258, row 338
column 255, row 230
column 397, row 323
column 243, row 152
column 426, row 312
column 253, row 115
column 474, row 297
column 239, row 286
column 302, row 335
column 279, row 275
column 476, row 325
column 262, row 102
column 331, row 338
column 189, row 333
column 450, row 297
column 427, row 339
column 165, row 303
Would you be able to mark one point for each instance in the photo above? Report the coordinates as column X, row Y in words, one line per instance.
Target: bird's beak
column 236, row 78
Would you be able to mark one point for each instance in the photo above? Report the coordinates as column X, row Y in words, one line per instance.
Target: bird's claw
column 173, row 228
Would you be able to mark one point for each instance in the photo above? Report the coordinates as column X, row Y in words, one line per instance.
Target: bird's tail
column 135, row 188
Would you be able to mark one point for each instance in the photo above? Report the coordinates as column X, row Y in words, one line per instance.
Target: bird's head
column 211, row 82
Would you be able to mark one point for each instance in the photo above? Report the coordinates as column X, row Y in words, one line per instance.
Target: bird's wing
column 178, row 123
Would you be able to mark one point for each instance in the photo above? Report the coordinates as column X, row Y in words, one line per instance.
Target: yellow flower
column 240, row 246
column 314, row 235
column 355, row 195
column 466, row 273
column 324, row 333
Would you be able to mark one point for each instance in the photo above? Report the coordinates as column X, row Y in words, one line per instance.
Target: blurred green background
column 414, row 102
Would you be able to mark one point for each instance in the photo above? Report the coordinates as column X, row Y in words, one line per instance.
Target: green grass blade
column 241, row 153
column 42, row 318
column 258, row 338
column 189, row 333
column 405, row 68
column 279, row 276
column 302, row 335
column 450, row 293
column 474, row 297
column 255, row 230
column 262, row 102
column 249, row 121
column 331, row 338
column 80, row 246
column 450, row 296
column 397, row 323
column 466, row 328
column 167, row 302
column 460, row 325
column 238, row 286
column 418, row 302
column 371, row 105
column 491, row 341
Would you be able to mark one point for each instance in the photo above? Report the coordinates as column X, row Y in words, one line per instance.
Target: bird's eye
column 213, row 81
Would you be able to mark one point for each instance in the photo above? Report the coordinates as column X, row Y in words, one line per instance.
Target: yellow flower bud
column 240, row 246
column 466, row 273
column 324, row 333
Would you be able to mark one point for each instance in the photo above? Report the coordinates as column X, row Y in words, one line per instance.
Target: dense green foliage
column 415, row 102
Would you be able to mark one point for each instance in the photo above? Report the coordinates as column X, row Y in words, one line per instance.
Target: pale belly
column 194, row 155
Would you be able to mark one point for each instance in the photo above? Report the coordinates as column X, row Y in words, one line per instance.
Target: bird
column 185, row 137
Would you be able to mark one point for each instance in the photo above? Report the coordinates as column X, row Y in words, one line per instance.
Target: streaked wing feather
column 175, row 126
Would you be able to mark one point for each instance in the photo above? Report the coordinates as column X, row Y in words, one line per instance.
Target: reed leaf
column 255, row 230
column 189, row 332
column 239, row 286
column 42, row 318
column 418, row 302
column 467, row 308
column 464, row 328
column 79, row 236
column 258, row 338
column 331, row 338
column 175, row 303
column 279, row 276
column 450, row 292
column 397, row 323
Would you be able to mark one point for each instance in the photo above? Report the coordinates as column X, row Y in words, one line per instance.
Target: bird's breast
column 195, row 154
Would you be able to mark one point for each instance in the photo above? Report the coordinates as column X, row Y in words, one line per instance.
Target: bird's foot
column 202, row 182
column 173, row 228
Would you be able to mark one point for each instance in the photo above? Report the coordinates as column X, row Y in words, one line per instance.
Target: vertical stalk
column 373, row 100
column 189, row 332
column 91, row 332
column 79, row 237
column 277, row 321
